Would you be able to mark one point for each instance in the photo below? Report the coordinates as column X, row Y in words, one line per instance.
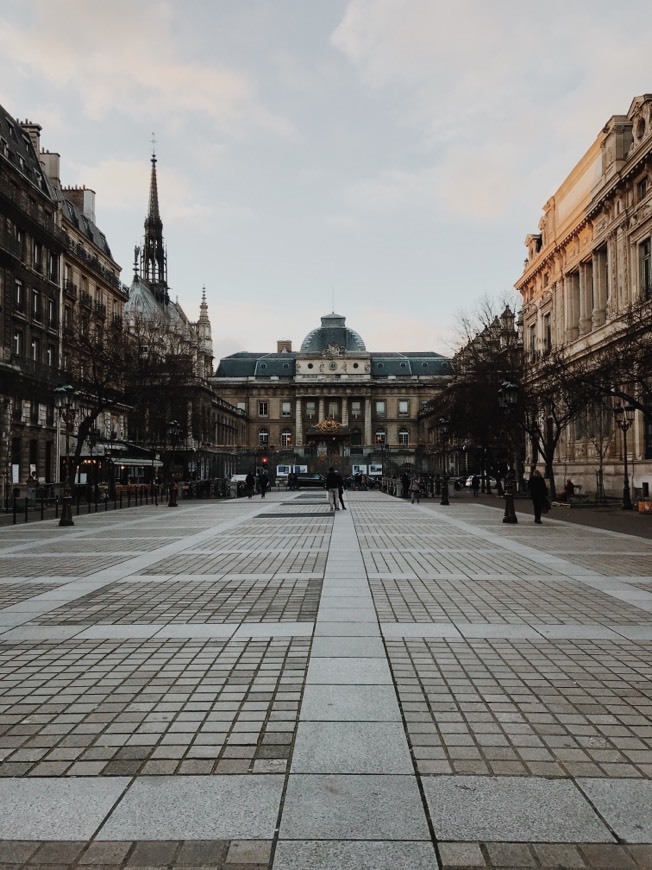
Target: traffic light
column 264, row 461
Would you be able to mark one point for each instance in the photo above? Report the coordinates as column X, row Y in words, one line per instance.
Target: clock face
column 333, row 366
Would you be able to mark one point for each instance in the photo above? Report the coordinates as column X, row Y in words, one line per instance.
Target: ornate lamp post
column 173, row 436
column 507, row 400
column 64, row 399
column 443, row 431
column 624, row 419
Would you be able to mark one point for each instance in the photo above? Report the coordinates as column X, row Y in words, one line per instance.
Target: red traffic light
column 264, row 460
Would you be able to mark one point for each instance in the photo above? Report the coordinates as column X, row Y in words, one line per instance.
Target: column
column 586, row 298
column 368, row 439
column 298, row 424
column 345, row 410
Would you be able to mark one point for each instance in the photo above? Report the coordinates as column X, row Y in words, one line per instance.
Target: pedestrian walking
column 263, row 483
column 333, row 487
column 538, row 494
column 414, row 489
column 340, row 490
column 475, row 485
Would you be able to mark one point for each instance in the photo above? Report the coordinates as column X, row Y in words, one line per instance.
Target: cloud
column 124, row 56
column 497, row 95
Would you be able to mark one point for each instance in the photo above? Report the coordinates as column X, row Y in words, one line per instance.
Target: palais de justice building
column 332, row 401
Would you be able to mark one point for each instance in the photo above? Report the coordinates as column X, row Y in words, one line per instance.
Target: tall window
column 286, row 438
column 263, row 437
column 38, row 256
column 380, row 409
column 645, row 258
column 547, row 334
column 532, row 343
column 311, row 410
column 18, row 342
column 356, row 438
column 262, row 409
column 36, row 305
column 36, row 349
column 49, row 355
column 380, row 436
column 403, row 437
column 403, row 407
column 19, row 296
column 286, row 409
column 356, row 409
column 52, row 313
column 333, row 410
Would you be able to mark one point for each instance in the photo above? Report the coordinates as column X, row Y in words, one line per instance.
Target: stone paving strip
column 267, row 685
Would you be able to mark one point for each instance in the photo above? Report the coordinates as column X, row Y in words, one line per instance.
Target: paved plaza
column 256, row 684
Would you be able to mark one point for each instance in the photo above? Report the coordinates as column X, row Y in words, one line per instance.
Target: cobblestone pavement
column 268, row 684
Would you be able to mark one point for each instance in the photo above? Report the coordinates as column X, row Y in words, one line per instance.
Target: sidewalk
column 257, row 684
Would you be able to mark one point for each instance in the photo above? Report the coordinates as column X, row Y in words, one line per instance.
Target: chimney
column 50, row 161
column 284, row 346
column 84, row 199
column 34, row 133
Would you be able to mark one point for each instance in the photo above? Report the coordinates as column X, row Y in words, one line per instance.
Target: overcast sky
column 383, row 158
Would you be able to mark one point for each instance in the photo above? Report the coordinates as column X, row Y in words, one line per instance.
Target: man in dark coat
column 538, row 494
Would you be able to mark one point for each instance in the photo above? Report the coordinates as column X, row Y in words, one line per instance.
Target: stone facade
column 589, row 264
column 332, row 401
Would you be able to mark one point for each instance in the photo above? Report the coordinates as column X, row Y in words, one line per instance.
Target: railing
column 125, row 496
column 9, row 243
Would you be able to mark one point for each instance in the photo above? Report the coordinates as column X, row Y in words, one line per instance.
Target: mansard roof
column 17, row 148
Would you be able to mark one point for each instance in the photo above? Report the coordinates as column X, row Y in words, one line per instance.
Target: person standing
column 250, row 484
column 333, row 487
column 538, row 494
column 414, row 489
column 475, row 485
column 263, row 483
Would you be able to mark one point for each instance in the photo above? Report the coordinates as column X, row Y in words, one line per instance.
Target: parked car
column 308, row 478
column 493, row 483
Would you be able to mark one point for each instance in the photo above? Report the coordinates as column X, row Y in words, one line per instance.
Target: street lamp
column 64, row 399
column 624, row 419
column 173, row 435
column 507, row 400
column 443, row 431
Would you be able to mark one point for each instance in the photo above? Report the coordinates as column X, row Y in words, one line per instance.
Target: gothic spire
column 153, row 268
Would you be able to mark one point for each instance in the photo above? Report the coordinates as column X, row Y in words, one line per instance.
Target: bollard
column 15, row 508
column 56, row 507
column 26, row 508
column 42, row 507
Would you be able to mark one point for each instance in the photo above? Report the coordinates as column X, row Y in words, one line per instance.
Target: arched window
column 356, row 438
column 286, row 438
column 263, row 437
column 381, row 436
column 403, row 436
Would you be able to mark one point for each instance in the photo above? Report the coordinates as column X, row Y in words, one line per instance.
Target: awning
column 140, row 463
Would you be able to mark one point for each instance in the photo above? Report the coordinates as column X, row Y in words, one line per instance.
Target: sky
column 384, row 159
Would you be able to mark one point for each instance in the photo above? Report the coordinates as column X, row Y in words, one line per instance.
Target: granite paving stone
column 511, row 809
column 197, row 807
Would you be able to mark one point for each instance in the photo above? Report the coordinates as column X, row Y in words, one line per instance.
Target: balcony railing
column 86, row 299
column 9, row 243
